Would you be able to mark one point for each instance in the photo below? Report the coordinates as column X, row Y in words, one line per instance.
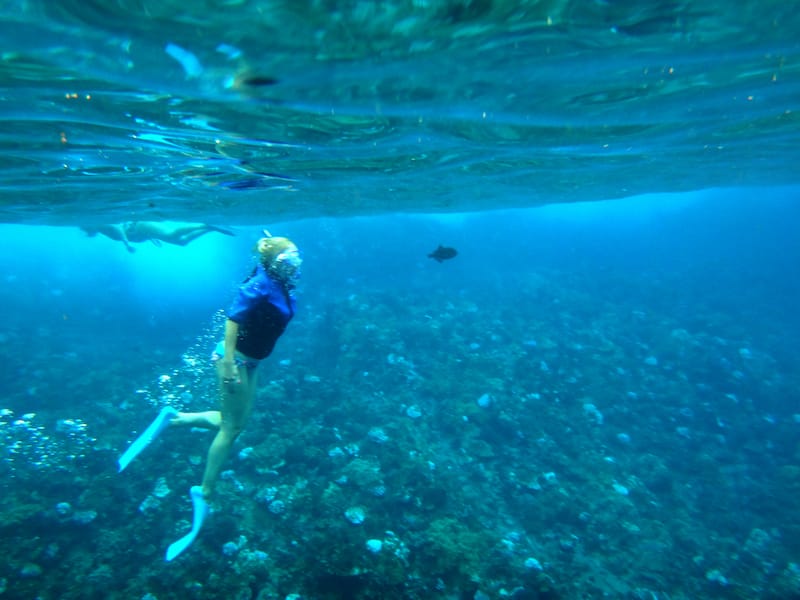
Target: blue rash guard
column 262, row 308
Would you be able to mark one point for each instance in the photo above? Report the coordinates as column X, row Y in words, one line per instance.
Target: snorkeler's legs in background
column 183, row 235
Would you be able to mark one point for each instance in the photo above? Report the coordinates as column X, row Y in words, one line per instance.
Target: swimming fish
column 443, row 253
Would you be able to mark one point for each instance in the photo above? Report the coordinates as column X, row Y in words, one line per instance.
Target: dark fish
column 443, row 253
column 259, row 81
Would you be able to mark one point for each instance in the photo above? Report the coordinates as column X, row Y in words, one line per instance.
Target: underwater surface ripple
column 235, row 110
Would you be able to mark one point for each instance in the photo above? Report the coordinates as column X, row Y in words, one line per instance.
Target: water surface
column 232, row 110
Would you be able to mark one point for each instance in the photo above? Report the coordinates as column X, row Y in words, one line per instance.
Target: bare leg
column 209, row 419
column 236, row 402
column 183, row 235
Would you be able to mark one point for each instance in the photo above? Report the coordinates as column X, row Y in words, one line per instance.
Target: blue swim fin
column 149, row 434
column 200, row 513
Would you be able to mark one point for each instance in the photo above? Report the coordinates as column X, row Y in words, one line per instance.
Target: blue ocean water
column 596, row 397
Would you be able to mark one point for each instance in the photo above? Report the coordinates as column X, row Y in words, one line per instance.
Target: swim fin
column 200, row 513
column 149, row 434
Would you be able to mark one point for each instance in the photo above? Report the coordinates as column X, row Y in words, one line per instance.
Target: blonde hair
column 274, row 246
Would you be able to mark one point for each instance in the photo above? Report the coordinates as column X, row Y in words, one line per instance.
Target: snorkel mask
column 281, row 258
column 286, row 266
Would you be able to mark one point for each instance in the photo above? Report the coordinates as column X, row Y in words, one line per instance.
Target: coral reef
column 597, row 443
